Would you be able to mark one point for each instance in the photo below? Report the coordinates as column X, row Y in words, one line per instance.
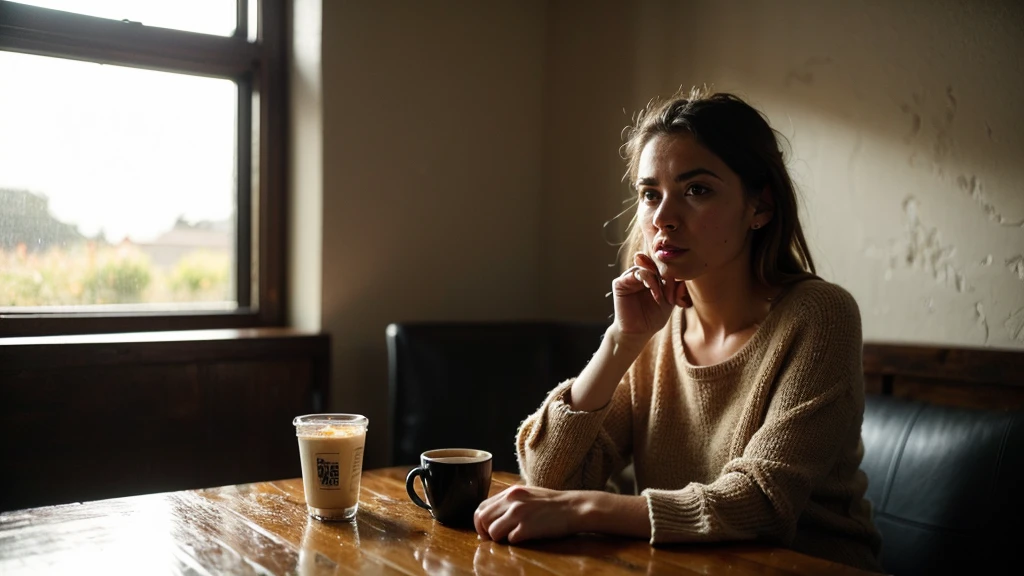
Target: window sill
column 49, row 352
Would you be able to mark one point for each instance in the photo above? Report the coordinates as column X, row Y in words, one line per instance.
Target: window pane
column 253, row 26
column 117, row 187
column 204, row 16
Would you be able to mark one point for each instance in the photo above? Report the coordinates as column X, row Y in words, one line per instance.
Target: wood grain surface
column 263, row 528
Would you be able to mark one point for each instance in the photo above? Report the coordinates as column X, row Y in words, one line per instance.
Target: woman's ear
column 764, row 208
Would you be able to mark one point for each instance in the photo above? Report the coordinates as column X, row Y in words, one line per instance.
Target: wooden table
column 263, row 528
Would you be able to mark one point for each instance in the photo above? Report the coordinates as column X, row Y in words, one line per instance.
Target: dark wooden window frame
column 259, row 69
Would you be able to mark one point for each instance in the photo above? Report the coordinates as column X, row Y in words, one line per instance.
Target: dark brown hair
column 739, row 135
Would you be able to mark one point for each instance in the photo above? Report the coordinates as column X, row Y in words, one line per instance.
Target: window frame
column 259, row 69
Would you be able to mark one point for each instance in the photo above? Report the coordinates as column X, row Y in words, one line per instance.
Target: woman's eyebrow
column 696, row 172
column 651, row 181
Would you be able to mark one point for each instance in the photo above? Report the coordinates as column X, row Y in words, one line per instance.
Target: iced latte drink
column 331, row 452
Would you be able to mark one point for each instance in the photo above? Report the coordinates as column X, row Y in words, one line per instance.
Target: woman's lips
column 669, row 253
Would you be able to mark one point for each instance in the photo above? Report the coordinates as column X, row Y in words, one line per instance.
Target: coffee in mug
column 331, row 452
column 455, row 481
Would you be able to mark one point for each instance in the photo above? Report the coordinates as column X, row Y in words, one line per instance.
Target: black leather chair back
column 470, row 385
column 946, row 485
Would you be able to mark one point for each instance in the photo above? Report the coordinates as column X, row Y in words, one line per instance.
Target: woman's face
column 692, row 209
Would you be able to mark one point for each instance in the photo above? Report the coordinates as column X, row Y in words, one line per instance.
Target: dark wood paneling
column 88, row 420
column 969, row 377
column 968, row 395
column 873, row 383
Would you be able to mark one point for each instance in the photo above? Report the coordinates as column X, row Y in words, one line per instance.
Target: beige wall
column 907, row 135
column 306, row 151
column 470, row 157
column 432, row 176
column 588, row 81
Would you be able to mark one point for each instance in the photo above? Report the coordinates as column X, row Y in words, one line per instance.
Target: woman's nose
column 666, row 216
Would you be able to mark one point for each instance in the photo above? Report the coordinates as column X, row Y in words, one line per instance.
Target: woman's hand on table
column 522, row 513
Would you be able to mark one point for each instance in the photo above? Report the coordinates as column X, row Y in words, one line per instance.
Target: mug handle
column 410, row 486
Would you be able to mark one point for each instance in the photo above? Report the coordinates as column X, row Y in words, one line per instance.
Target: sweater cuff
column 565, row 425
column 676, row 515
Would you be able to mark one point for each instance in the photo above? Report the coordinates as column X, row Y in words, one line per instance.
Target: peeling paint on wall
column 805, row 73
column 941, row 145
column 974, row 188
column 1015, row 325
column 1016, row 264
column 951, row 104
column 987, row 261
column 979, row 312
column 925, row 251
column 915, row 122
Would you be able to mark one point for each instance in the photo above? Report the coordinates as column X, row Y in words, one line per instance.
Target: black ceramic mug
column 455, row 481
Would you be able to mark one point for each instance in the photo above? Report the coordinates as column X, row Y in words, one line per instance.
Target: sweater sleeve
column 566, row 449
column 813, row 413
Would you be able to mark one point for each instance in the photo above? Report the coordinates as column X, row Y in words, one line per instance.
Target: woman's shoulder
column 817, row 300
column 820, row 330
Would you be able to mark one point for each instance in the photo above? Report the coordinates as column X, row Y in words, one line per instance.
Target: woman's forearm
column 594, row 387
column 607, row 513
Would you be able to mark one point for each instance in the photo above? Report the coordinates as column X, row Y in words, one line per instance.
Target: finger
column 486, row 512
column 638, row 275
column 668, row 292
column 630, row 273
column 676, row 294
column 519, row 534
column 484, row 519
column 648, row 278
column 491, row 500
column 503, row 525
column 653, row 283
column 642, row 259
column 479, row 524
column 682, row 295
column 628, row 282
column 493, row 507
column 635, row 274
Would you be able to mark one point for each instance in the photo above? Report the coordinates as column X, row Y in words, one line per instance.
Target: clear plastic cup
column 331, row 451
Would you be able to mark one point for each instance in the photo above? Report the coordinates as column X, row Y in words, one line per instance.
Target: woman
column 731, row 377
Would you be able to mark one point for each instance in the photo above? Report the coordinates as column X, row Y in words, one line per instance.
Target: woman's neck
column 726, row 302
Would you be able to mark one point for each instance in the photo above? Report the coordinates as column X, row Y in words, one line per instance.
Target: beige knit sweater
column 764, row 445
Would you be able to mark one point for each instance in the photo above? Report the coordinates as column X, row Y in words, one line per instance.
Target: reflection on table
column 263, row 528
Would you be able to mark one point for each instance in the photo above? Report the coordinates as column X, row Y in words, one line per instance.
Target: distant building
column 183, row 238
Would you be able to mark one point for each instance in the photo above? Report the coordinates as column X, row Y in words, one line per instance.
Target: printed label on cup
column 327, row 469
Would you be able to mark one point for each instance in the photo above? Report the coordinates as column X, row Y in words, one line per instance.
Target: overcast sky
column 124, row 150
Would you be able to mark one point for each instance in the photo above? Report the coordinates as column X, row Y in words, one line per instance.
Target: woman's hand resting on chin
column 644, row 300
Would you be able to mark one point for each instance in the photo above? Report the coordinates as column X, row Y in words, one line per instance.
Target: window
column 141, row 165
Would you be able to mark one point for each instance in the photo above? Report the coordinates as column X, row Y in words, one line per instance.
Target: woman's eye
column 696, row 190
column 649, row 195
